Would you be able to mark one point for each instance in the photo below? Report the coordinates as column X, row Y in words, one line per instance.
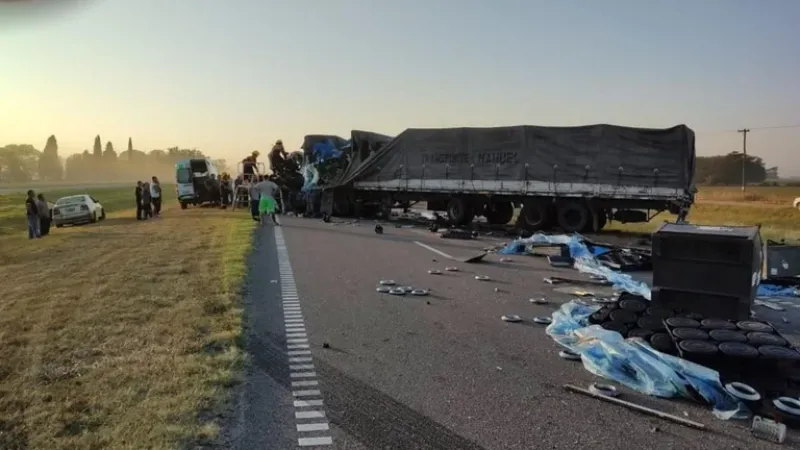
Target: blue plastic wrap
column 772, row 290
column 585, row 261
column 633, row 363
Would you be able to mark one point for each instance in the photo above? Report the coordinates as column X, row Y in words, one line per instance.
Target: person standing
column 139, row 209
column 32, row 215
column 268, row 190
column 252, row 191
column 155, row 194
column 44, row 215
column 147, row 209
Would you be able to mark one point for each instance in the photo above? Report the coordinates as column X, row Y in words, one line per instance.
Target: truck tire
column 184, row 205
column 573, row 217
column 601, row 221
column 460, row 212
column 341, row 206
column 499, row 213
column 534, row 217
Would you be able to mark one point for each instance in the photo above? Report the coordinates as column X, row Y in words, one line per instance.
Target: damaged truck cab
column 575, row 178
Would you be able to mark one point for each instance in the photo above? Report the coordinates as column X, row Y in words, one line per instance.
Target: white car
column 77, row 209
column 797, row 202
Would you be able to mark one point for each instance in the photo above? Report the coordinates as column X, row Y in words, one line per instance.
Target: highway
column 362, row 370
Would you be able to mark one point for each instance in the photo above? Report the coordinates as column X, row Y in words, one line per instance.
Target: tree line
column 24, row 163
column 727, row 169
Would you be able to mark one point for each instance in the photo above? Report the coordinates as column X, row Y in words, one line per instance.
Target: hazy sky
column 231, row 76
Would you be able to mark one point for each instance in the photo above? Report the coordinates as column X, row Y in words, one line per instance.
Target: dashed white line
column 301, row 367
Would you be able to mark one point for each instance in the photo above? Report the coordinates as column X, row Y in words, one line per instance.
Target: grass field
column 769, row 206
column 122, row 334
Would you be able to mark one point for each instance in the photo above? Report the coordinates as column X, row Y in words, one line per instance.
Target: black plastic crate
column 706, row 304
column 719, row 263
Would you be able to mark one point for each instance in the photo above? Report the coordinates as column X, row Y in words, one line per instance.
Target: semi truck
column 575, row 178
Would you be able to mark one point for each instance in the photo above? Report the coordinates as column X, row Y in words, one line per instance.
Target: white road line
column 437, row 251
column 309, row 393
column 309, row 414
column 302, row 372
column 310, row 442
column 299, row 352
column 306, row 427
column 306, row 403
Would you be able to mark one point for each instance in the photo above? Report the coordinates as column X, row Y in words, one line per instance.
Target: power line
column 774, row 127
column 744, row 132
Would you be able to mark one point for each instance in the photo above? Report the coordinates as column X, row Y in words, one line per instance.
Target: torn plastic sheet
column 585, row 261
column 772, row 290
column 633, row 363
column 310, row 177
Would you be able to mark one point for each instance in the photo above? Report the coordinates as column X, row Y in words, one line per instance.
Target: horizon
column 228, row 80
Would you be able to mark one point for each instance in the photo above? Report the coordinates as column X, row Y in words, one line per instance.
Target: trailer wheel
column 341, row 206
column 534, row 217
column 573, row 217
column 499, row 213
column 460, row 212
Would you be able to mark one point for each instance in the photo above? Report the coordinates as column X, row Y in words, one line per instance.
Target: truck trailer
column 575, row 178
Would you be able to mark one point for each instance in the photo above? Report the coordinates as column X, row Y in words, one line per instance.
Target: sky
column 229, row 77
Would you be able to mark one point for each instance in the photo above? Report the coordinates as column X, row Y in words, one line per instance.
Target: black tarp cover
column 585, row 154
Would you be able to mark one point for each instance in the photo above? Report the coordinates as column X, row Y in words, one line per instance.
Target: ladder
column 241, row 196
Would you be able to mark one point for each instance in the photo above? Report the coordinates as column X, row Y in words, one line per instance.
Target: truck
column 575, row 178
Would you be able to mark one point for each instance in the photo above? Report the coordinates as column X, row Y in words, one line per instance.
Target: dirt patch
column 124, row 336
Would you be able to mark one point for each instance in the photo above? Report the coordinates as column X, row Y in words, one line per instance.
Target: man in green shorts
column 267, row 205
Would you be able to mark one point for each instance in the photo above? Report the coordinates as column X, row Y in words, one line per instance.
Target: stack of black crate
column 707, row 270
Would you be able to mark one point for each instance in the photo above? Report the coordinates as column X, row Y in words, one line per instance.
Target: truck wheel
column 460, row 212
column 184, row 205
column 534, row 217
column 341, row 206
column 499, row 213
column 573, row 217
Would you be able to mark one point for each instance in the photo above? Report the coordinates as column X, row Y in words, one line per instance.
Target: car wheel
column 94, row 217
column 102, row 214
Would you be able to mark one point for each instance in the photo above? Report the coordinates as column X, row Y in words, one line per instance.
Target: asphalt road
column 437, row 372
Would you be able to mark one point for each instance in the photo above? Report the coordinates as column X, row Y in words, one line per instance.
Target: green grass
column 783, row 195
column 776, row 222
column 12, row 206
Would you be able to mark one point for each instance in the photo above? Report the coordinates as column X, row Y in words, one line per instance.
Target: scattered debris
column 419, row 292
column 542, row 320
column 387, row 283
column 511, row 318
column 451, row 269
column 383, row 289
column 326, row 345
column 506, row 260
column 569, row 355
column 603, row 389
column 768, row 430
column 539, row 301
column 454, row 233
column 482, row 278
column 435, row 272
column 472, row 259
column 397, row 291
column 771, row 306
column 635, row 407
column 378, row 229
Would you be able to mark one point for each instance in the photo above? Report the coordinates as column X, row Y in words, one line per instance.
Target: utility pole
column 744, row 132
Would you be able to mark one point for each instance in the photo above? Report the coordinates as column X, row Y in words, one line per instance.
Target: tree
column 130, row 149
column 727, row 169
column 19, row 163
column 110, row 155
column 98, row 147
column 49, row 163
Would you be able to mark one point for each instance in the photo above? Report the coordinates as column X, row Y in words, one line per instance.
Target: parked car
column 77, row 209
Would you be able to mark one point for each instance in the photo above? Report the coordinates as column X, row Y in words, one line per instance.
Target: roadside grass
column 12, row 206
column 783, row 195
column 776, row 222
column 122, row 334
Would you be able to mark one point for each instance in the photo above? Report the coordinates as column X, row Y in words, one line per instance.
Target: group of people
column 38, row 214
column 148, row 199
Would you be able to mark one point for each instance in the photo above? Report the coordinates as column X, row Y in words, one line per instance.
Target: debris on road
column 539, row 301
column 511, row 318
column 451, row 269
column 482, row 278
column 435, row 272
column 569, row 355
column 541, row 320
column 378, row 229
column 768, row 430
column 603, row 389
column 387, row 283
column 635, row 407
